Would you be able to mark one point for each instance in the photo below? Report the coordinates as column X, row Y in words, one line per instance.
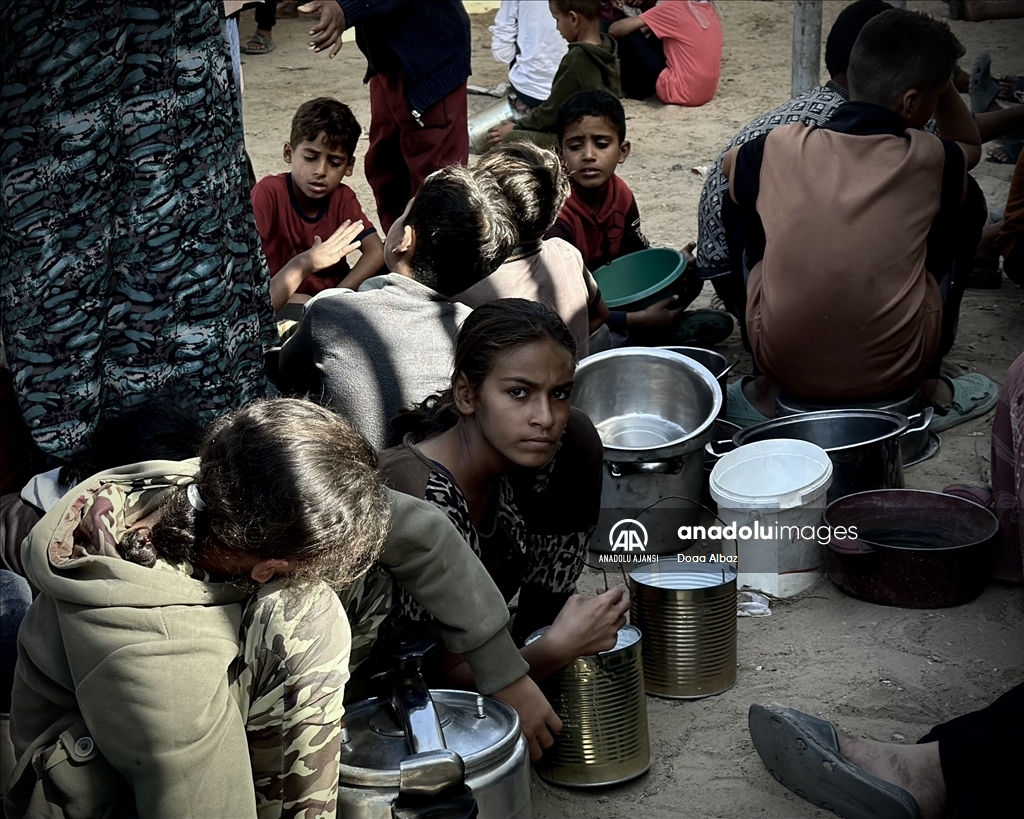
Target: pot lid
column 376, row 746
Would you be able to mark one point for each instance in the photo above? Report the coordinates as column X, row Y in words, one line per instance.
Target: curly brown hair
column 283, row 478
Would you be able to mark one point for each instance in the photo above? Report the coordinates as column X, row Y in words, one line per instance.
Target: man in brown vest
column 850, row 230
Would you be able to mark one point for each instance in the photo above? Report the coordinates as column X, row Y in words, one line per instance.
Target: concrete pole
column 806, row 46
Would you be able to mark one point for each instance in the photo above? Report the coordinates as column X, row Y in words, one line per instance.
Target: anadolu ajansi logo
column 628, row 536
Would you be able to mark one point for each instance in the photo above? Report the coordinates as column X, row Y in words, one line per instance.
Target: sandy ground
column 882, row 672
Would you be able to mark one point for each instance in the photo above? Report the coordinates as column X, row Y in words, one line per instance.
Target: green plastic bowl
column 640, row 279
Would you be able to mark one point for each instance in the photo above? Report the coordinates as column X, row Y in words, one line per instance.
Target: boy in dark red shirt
column 600, row 217
column 299, row 213
column 601, row 220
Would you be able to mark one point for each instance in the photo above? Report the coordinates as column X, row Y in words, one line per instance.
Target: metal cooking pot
column 654, row 411
column 717, row 363
column 415, row 748
column 912, row 548
column 918, row 444
column 600, row 700
column 480, row 122
column 863, row 444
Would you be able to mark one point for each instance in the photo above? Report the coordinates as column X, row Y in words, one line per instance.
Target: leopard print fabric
column 553, row 562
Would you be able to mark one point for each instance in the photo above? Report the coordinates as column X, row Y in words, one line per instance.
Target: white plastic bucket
column 773, row 493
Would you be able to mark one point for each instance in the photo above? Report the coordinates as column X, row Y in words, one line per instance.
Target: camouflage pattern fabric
column 131, row 260
column 288, row 680
column 368, row 604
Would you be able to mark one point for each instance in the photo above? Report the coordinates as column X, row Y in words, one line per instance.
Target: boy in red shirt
column 308, row 220
column 601, row 220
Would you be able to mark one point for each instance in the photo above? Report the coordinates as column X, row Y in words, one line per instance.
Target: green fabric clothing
column 161, row 692
column 122, row 654
column 427, row 556
column 584, row 67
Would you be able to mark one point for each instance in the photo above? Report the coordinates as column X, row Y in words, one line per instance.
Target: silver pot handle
column 716, row 449
column 620, row 468
column 725, row 372
column 919, row 422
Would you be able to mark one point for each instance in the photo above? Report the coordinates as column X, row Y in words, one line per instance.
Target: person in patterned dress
column 131, row 263
column 185, row 656
column 469, row 452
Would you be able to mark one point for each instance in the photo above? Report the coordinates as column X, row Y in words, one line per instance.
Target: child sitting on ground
column 308, row 220
column 590, row 63
column 507, row 408
column 601, row 219
column 851, row 230
column 389, row 345
column 550, row 271
column 525, row 38
column 689, row 34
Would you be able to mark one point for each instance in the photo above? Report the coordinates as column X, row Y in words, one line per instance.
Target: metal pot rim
column 902, row 424
column 682, row 446
column 505, row 748
column 920, row 492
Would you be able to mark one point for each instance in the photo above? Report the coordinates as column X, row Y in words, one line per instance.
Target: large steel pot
column 910, row 548
column 864, row 445
column 654, row 411
column 422, row 749
column 600, row 700
column 918, row 444
column 717, row 363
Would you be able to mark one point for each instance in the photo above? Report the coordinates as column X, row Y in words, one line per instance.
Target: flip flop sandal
column 1015, row 93
column 983, row 87
column 740, row 411
column 802, row 752
column 706, row 327
column 258, row 44
column 974, row 395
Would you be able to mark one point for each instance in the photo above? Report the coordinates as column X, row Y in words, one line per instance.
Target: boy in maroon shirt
column 307, row 218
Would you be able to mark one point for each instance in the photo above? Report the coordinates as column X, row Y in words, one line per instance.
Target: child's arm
column 369, row 264
column 955, row 123
column 505, row 31
column 627, row 25
column 319, row 257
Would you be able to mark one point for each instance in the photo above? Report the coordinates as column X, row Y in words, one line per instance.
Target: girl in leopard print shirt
column 518, row 471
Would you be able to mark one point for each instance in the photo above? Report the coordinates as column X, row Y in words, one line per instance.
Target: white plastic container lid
column 777, row 474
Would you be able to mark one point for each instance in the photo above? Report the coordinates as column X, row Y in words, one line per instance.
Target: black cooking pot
column 911, row 548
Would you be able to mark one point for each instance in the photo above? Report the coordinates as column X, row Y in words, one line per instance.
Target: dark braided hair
column 285, row 479
column 489, row 332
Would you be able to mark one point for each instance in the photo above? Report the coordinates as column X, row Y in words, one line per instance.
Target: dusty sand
column 881, row 672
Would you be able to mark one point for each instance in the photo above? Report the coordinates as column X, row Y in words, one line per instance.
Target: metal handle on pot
column 620, row 468
column 410, row 698
column 919, row 422
column 716, row 449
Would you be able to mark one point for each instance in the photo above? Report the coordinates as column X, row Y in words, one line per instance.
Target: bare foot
column 761, row 393
column 938, row 391
column 915, row 768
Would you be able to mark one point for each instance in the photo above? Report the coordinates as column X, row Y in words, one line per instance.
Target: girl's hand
column 497, row 133
column 589, row 625
column 326, row 254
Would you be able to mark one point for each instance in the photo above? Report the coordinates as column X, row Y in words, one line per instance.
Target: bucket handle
column 619, row 469
column 718, row 449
